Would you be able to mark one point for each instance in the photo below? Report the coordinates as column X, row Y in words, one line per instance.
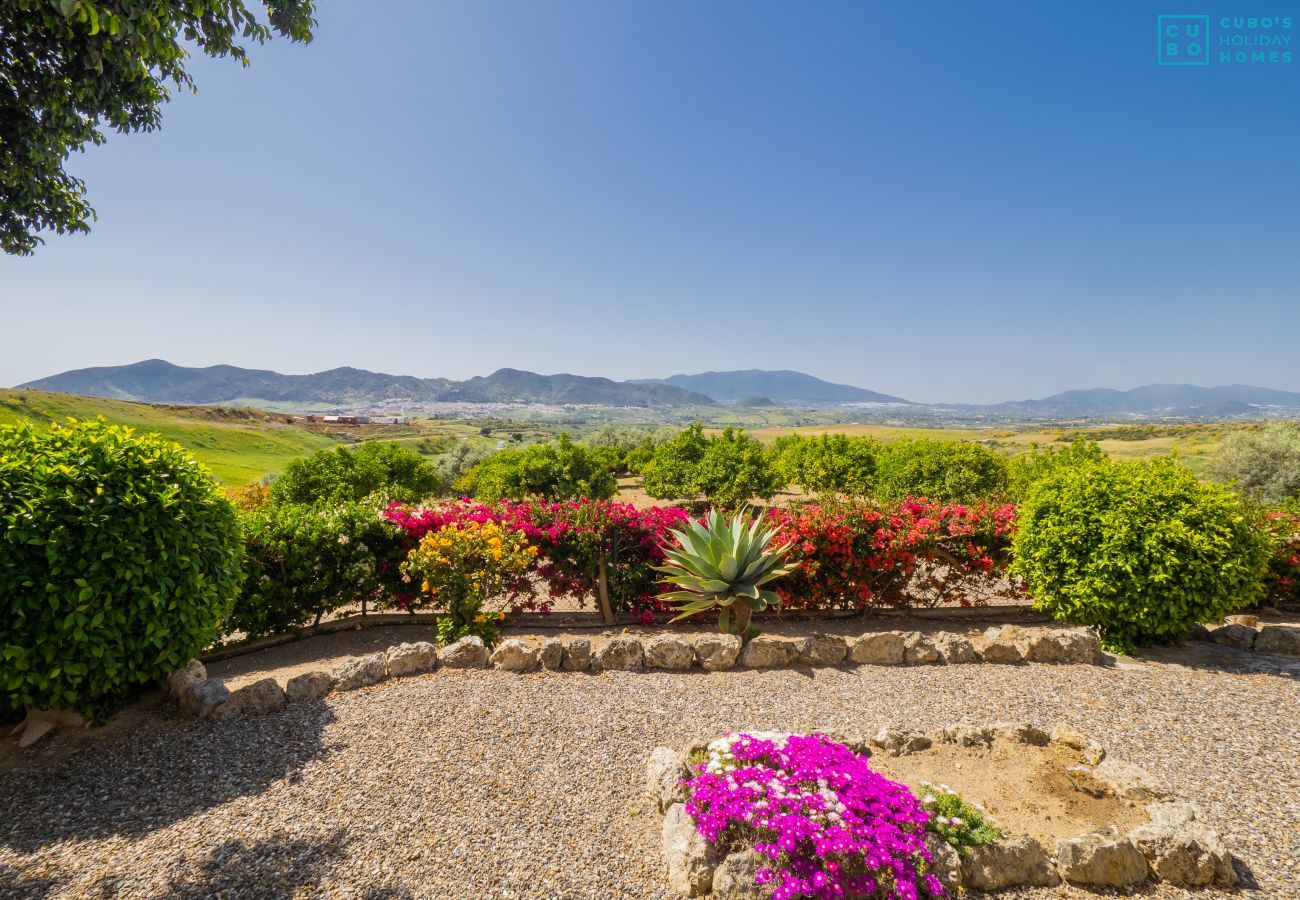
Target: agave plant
column 724, row 563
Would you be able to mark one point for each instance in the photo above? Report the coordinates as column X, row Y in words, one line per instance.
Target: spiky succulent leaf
column 721, row 560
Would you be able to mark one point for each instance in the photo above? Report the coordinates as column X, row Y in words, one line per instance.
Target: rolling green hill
column 238, row 445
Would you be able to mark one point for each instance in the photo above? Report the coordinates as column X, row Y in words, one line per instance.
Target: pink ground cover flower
column 828, row 825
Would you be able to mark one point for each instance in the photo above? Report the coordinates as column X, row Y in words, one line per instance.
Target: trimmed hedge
column 1140, row 550
column 119, row 557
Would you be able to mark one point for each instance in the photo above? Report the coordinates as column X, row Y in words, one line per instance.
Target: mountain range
column 158, row 381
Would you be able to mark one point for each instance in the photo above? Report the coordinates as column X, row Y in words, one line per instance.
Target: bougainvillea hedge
column 854, row 554
column 850, row 554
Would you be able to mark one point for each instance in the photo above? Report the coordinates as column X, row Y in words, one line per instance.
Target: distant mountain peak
column 780, row 385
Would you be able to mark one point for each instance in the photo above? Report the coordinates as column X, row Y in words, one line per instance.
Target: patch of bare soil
column 1045, row 792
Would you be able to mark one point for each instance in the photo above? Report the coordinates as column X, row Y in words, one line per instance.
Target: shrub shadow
column 1210, row 657
column 14, row 882
column 276, row 866
column 139, row 781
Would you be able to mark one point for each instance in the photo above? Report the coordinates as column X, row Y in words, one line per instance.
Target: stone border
column 1174, row 846
column 209, row 698
column 1241, row 633
column 1024, row 614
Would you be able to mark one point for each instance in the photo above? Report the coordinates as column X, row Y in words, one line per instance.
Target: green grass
column 238, row 445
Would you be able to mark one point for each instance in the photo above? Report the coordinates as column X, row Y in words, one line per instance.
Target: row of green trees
column 731, row 467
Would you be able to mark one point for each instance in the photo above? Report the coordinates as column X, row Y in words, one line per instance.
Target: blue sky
column 944, row 201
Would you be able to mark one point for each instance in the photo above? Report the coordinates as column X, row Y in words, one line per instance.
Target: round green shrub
column 1139, row 550
column 345, row 474
column 828, row 463
column 939, row 470
column 555, row 470
column 119, row 557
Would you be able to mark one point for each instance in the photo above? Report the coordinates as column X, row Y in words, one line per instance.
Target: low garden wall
column 209, row 698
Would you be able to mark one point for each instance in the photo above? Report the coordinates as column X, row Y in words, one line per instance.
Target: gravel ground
column 483, row 784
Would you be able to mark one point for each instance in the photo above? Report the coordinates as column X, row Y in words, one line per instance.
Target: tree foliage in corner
column 70, row 69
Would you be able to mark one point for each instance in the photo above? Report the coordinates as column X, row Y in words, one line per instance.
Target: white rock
column 467, row 653
column 1101, row 858
column 821, row 650
column 182, row 680
column 359, row 671
column 967, row 735
column 1184, row 852
column 955, row 648
column 411, row 659
column 882, row 648
column 621, row 654
column 551, row 654
column 899, row 743
column 1003, row 645
column 1239, row 637
column 946, row 862
column 717, row 651
column 766, row 652
column 1020, row 733
column 1060, row 645
column 577, row 655
column 1173, row 812
column 309, row 686
column 668, row 651
column 918, row 649
column 690, row 861
column 1283, row 639
column 664, row 773
column 202, row 699
column 259, row 698
column 734, row 879
column 1012, row 861
column 514, row 655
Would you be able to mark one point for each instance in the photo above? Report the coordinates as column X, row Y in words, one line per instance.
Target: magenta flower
column 829, row 826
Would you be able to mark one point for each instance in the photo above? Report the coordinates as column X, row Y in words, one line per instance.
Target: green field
column 238, row 445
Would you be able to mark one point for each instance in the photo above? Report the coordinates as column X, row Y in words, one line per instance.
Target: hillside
column 238, row 445
column 777, row 386
column 1155, row 400
column 158, row 381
